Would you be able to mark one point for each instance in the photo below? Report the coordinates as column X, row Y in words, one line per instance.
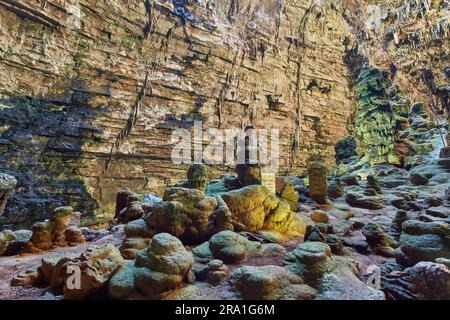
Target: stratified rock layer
column 90, row 94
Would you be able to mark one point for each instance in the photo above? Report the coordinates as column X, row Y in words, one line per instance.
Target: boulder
column 285, row 189
column 6, row 236
column 159, row 268
column 439, row 212
column 423, row 281
column 53, row 232
column 423, row 241
column 351, row 180
column 379, row 241
column 269, row 283
column 361, row 246
column 185, row 213
column 133, row 209
column 93, row 268
column 138, row 235
column 366, row 202
column 25, row 278
column 73, row 236
column 319, row 216
column 335, row 243
column 336, row 189
column 231, row 247
column 19, row 243
column 432, row 201
column 213, row 272
column 343, row 283
column 61, row 218
column 418, row 179
column 131, row 246
column 228, row 246
column 42, row 238
column 373, row 184
column 332, row 277
column 248, row 174
column 310, row 260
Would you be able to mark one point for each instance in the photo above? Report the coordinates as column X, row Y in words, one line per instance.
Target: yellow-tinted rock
column 254, row 208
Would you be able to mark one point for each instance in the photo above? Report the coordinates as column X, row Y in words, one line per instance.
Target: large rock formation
column 254, row 208
column 333, row 277
column 409, row 38
column 55, row 231
column 185, row 213
column 157, row 269
column 82, row 276
column 423, row 241
column 270, row 283
column 90, row 94
column 375, row 119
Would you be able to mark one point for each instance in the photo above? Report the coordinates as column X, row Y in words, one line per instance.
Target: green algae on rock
column 375, row 119
column 197, row 176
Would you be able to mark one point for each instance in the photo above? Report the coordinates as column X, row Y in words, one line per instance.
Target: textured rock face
column 375, row 119
column 405, row 37
column 89, row 95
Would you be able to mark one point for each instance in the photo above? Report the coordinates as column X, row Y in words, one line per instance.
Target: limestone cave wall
column 410, row 39
column 90, row 91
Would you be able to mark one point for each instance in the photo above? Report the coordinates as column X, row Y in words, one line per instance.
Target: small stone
column 334, row 241
column 361, row 246
column 440, row 212
column 433, row 201
column 336, row 189
column 310, row 260
column 366, row 202
column 351, row 180
column 319, row 216
column 228, row 246
column 418, row 179
column 197, row 176
column 372, row 183
column 73, row 236
column 380, row 242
